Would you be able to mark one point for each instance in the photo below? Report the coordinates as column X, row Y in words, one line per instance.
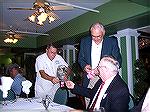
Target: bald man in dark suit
column 114, row 95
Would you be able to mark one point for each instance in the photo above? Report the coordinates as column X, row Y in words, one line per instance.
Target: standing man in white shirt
column 46, row 66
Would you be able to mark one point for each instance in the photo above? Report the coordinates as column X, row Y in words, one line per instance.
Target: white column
column 67, row 48
column 128, row 34
column 136, row 47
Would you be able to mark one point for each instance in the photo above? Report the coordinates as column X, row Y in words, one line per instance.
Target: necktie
column 93, row 105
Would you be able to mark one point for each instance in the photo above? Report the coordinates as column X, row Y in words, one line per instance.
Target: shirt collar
column 110, row 79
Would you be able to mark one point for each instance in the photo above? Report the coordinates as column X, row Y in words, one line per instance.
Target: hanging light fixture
column 44, row 9
column 51, row 19
column 32, row 18
column 41, row 16
column 8, row 40
column 11, row 39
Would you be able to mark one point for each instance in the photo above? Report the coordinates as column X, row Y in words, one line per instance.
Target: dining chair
column 11, row 95
column 1, row 95
column 61, row 96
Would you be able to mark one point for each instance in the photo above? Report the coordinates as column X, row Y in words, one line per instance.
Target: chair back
column 61, row 96
column 1, row 95
column 11, row 95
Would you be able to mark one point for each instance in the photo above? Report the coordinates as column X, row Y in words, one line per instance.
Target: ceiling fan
column 12, row 36
column 44, row 9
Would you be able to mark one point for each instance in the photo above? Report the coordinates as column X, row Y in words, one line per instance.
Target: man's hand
column 55, row 80
column 88, row 68
column 69, row 84
column 96, row 71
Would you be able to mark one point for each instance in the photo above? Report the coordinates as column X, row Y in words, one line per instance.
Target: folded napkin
column 6, row 85
column 26, row 86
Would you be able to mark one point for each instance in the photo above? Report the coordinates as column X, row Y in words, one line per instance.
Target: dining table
column 32, row 105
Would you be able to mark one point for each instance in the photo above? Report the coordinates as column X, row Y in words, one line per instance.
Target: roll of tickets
column 90, row 74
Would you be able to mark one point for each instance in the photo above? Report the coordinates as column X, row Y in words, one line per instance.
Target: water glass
column 101, row 109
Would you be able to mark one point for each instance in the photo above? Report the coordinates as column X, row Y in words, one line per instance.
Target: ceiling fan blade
column 75, row 6
column 18, row 36
column 61, row 8
column 32, row 33
column 15, row 8
column 4, row 30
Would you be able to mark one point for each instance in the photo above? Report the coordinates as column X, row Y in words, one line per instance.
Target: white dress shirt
column 146, row 103
column 95, row 53
column 95, row 58
column 102, row 94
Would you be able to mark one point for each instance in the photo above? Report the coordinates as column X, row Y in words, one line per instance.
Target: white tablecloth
column 24, row 105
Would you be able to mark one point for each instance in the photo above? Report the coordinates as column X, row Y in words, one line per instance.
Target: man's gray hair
column 113, row 64
column 97, row 25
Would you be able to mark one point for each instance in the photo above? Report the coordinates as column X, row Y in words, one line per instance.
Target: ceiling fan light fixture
column 41, row 10
column 40, row 23
column 10, row 40
column 45, row 8
column 42, row 17
column 7, row 40
column 15, row 40
column 51, row 19
column 32, row 18
column 46, row 3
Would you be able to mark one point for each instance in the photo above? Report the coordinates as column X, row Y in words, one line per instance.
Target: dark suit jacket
column 117, row 98
column 109, row 47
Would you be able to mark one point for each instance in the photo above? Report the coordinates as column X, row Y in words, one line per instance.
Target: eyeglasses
column 96, row 36
column 101, row 66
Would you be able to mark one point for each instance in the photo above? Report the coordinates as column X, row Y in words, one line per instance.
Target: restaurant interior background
column 116, row 15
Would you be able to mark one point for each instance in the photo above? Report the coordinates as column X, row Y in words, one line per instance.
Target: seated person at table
column 15, row 72
column 114, row 93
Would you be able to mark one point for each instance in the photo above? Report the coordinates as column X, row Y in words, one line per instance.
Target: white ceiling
column 16, row 18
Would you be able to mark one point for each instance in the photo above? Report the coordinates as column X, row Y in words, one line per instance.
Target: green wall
column 113, row 13
column 109, row 14
column 5, row 59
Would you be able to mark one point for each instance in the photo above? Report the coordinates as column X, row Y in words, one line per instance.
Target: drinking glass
column 101, row 109
column 61, row 71
column 46, row 101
